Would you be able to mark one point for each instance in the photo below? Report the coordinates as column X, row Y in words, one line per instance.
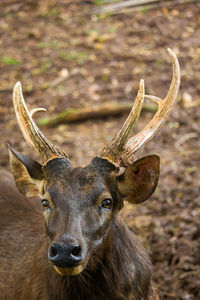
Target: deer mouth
column 71, row 271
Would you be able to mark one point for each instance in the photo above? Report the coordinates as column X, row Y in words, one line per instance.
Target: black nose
column 65, row 256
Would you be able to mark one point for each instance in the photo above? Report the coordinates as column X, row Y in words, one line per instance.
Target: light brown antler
column 115, row 148
column 31, row 132
column 123, row 155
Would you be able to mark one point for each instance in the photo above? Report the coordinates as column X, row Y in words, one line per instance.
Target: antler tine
column 36, row 110
column 31, row 132
column 164, row 108
column 112, row 151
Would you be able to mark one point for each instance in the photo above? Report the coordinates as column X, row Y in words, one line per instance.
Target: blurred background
column 88, row 54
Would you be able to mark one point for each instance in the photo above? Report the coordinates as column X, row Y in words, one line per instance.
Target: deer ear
column 27, row 173
column 140, row 179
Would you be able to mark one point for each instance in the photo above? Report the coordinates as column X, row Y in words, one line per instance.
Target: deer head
column 80, row 204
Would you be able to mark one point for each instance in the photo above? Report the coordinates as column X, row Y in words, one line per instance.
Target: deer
column 61, row 233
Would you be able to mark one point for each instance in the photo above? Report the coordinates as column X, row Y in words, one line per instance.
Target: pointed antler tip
column 8, row 145
column 18, row 86
column 17, row 94
column 17, row 91
column 171, row 52
column 141, row 85
column 36, row 110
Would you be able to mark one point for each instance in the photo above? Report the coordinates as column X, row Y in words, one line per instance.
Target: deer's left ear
column 140, row 179
column 27, row 173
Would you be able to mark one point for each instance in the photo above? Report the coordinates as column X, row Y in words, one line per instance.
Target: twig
column 183, row 139
column 123, row 4
column 146, row 4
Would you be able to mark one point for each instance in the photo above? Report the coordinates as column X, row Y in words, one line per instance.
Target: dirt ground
column 66, row 57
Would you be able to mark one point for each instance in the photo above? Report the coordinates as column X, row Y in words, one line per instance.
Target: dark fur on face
column 76, row 195
column 81, row 208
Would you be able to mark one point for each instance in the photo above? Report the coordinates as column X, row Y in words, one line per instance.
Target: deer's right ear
column 27, row 173
column 140, row 179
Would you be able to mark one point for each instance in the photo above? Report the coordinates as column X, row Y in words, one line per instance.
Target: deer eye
column 106, row 203
column 46, row 203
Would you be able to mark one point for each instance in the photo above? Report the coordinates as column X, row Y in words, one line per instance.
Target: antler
column 31, row 132
column 125, row 151
column 113, row 150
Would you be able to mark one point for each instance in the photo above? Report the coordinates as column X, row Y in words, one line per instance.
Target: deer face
column 80, row 204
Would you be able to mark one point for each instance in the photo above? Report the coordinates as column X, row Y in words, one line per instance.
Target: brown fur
column 118, row 269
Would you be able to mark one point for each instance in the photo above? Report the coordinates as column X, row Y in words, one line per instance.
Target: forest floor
column 66, row 57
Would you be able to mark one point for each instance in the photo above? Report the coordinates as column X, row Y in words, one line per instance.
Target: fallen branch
column 138, row 5
column 82, row 114
column 111, row 8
